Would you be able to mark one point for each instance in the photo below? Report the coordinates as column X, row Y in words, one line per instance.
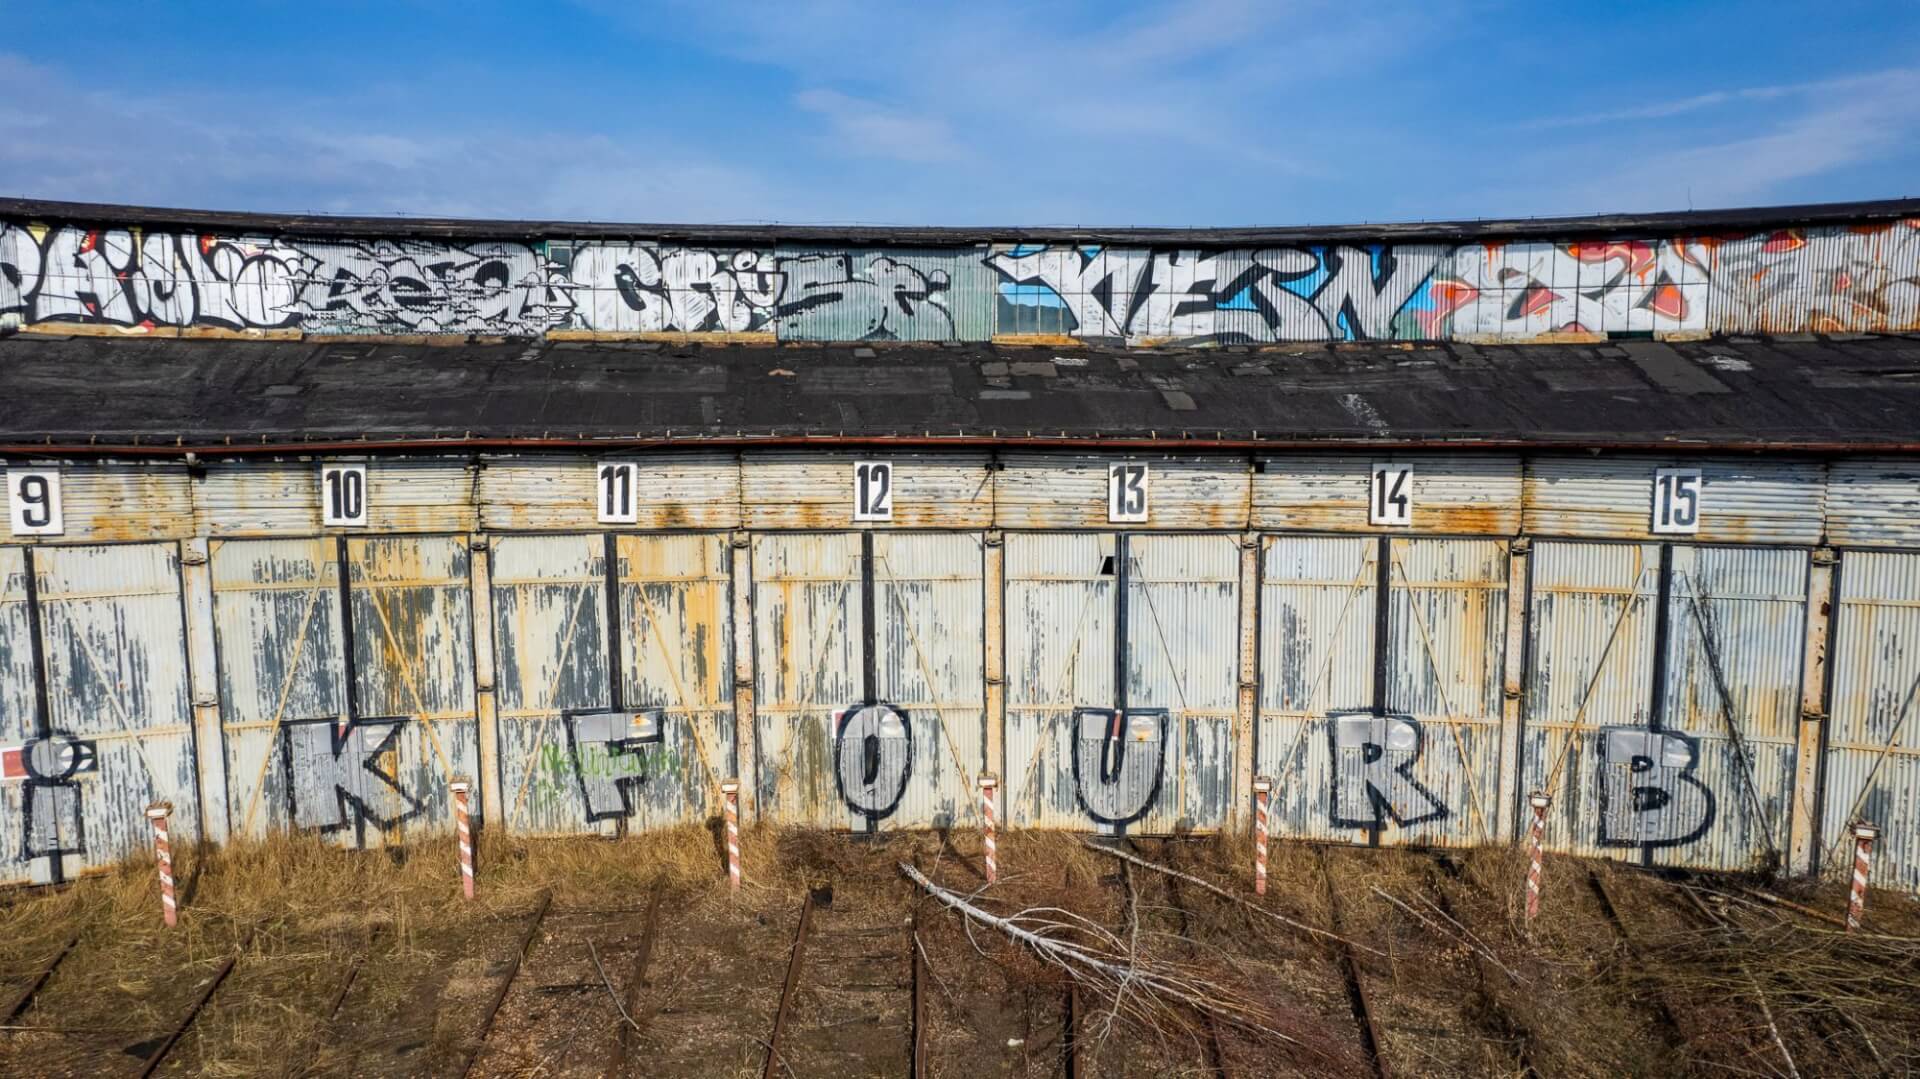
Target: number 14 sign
column 1390, row 494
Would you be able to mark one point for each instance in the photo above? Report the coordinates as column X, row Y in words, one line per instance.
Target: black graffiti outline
column 1383, row 808
column 870, row 762
column 1113, row 750
column 338, row 733
column 1641, row 794
column 616, row 748
column 84, row 755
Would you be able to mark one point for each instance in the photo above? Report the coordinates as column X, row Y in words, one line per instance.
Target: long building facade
column 308, row 519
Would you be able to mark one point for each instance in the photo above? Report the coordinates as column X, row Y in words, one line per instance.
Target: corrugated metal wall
column 341, row 663
column 1873, row 735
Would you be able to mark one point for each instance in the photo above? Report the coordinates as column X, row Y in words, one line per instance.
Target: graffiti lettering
column 633, row 288
column 52, row 822
column 873, row 758
column 328, row 764
column 1118, row 764
column 609, row 752
column 1373, row 759
column 829, row 297
column 1649, row 796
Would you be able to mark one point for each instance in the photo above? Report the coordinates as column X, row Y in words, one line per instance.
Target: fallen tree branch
column 1230, row 897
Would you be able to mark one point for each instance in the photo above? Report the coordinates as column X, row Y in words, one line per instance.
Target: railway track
column 848, row 1005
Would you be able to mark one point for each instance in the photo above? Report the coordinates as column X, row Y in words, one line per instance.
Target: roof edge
column 1664, row 222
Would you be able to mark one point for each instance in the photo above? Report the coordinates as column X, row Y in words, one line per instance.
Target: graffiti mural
column 1373, row 782
column 612, row 753
column 1649, row 795
column 1119, row 761
column 335, row 776
column 1830, row 279
column 873, row 758
column 52, row 824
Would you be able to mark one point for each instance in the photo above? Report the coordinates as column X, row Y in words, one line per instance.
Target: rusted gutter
column 958, row 441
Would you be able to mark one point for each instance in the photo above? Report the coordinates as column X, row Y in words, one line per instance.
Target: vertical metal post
column 988, row 783
column 1262, row 789
column 203, row 680
column 1803, row 820
column 994, row 583
column 745, row 743
column 1512, row 689
column 1246, row 712
column 486, row 711
column 1863, row 836
column 463, row 831
column 1536, row 842
column 730, row 792
column 158, row 813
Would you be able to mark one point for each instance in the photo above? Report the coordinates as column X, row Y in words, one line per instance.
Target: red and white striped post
column 463, row 826
column 1262, row 788
column 988, row 784
column 1863, row 836
column 730, row 790
column 1536, row 841
column 158, row 813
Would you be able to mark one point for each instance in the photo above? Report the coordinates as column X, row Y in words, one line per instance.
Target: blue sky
column 1217, row 112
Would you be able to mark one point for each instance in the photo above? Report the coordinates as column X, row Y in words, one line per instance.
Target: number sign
column 1127, row 493
column 617, row 480
column 873, row 491
column 343, row 495
column 33, row 501
column 1391, row 498
column 1676, row 501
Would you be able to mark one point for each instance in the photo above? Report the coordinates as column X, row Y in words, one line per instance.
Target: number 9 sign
column 33, row 501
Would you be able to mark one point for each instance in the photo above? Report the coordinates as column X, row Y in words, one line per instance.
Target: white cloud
column 864, row 127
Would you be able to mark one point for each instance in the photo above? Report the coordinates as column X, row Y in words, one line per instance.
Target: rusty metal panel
column 413, row 659
column 1833, row 279
column 899, row 294
column 556, row 492
column 1185, row 492
column 550, row 633
column 1589, row 669
column 807, row 642
column 277, row 619
column 1873, row 734
column 1446, row 648
column 929, row 646
column 1873, row 502
column 120, row 501
column 1059, row 633
column 676, row 644
column 1183, row 655
column 1452, row 493
column 1743, row 500
column 1317, row 618
column 815, row 490
column 1736, row 631
column 116, row 678
column 18, row 723
column 280, row 497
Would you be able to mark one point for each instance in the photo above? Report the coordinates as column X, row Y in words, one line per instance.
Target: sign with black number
column 615, row 481
column 1127, row 493
column 1676, row 501
column 873, row 491
column 1390, row 498
column 33, row 501
column 343, row 495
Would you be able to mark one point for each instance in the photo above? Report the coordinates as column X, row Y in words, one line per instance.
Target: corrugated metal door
column 568, row 768
column 1164, row 763
column 1873, row 734
column 806, row 625
column 353, row 738
column 1685, row 758
column 868, row 730
column 1737, row 631
column 118, row 732
column 18, row 723
column 1393, row 745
